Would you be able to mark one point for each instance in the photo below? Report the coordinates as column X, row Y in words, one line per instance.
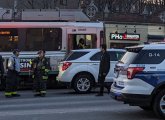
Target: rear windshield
column 74, row 55
column 128, row 57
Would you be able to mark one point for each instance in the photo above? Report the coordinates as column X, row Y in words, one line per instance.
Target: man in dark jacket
column 104, row 68
column 40, row 68
column 1, row 67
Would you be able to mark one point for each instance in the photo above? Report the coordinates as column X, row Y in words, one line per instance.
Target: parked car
column 80, row 68
column 140, row 78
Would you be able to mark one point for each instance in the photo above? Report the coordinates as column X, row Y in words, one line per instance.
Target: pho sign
column 124, row 36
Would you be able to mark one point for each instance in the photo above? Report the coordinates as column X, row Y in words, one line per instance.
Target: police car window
column 96, row 57
column 113, row 56
column 119, row 55
column 75, row 55
column 150, row 57
column 128, row 57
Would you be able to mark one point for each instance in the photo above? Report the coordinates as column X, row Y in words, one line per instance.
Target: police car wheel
column 159, row 104
column 82, row 83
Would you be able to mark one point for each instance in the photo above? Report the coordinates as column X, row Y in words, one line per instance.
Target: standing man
column 13, row 75
column 104, row 68
column 40, row 66
column 1, row 68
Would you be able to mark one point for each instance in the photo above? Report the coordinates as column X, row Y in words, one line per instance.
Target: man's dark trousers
column 101, row 80
column 11, row 82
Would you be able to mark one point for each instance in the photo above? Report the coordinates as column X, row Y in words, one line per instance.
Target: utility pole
column 15, row 9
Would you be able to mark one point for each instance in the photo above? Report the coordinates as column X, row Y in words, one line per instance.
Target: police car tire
column 156, row 105
column 76, row 80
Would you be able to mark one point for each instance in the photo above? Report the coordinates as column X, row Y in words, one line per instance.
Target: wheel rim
column 83, row 84
column 162, row 104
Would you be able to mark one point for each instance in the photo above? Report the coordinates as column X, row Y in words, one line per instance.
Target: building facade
column 120, row 35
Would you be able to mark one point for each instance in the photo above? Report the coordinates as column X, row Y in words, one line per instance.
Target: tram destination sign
column 124, row 36
column 8, row 32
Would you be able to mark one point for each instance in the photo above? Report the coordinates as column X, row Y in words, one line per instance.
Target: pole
column 14, row 9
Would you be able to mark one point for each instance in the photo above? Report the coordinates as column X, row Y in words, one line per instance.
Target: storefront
column 124, row 40
column 124, row 35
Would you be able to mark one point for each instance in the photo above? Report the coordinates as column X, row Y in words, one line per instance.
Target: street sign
column 124, row 36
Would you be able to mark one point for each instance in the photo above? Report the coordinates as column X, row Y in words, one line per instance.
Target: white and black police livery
column 140, row 78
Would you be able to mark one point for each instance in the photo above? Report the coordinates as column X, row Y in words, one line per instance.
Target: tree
column 37, row 4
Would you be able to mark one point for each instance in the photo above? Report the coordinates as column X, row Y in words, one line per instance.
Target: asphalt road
column 66, row 105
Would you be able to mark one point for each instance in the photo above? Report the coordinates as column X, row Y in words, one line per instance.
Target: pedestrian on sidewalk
column 1, row 68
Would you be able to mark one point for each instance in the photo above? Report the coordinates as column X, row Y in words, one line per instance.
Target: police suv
column 140, row 78
column 80, row 68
